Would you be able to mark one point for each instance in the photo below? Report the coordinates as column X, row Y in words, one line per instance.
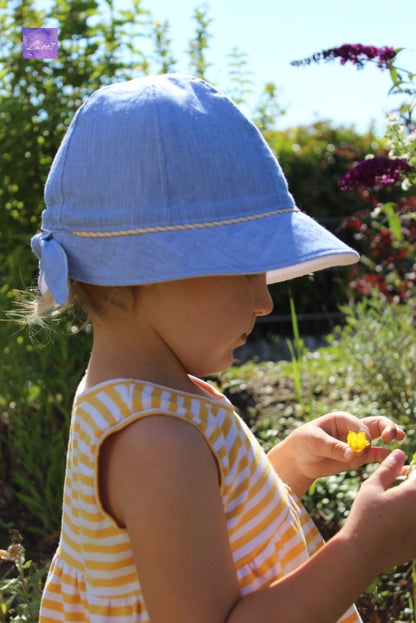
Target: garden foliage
column 20, row 584
column 385, row 230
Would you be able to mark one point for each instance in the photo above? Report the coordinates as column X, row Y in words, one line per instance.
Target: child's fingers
column 338, row 450
column 389, row 469
column 383, row 427
column 392, row 432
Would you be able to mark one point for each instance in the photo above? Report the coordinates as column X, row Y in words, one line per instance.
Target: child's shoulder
column 158, row 432
column 118, row 403
column 198, row 388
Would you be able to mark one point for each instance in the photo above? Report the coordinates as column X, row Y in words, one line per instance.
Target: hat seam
column 70, row 136
column 161, row 153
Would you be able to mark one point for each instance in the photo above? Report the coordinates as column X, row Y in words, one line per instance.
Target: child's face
column 203, row 319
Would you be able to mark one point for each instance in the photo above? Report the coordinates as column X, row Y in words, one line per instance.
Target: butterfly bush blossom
column 375, row 171
column 355, row 53
column 390, row 236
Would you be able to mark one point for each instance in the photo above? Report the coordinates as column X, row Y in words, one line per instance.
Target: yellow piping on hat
column 152, row 230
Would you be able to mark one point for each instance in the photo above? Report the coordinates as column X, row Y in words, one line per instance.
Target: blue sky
column 273, row 32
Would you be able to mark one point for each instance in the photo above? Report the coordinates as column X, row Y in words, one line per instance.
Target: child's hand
column 324, row 449
column 382, row 521
column 320, row 448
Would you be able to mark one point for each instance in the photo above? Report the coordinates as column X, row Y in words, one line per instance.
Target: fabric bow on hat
column 53, row 266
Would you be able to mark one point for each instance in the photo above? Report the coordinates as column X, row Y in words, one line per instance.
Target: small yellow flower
column 357, row 441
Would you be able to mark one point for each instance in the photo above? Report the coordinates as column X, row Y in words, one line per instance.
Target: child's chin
column 216, row 368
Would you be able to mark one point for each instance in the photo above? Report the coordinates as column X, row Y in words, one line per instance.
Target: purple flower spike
column 374, row 171
column 357, row 54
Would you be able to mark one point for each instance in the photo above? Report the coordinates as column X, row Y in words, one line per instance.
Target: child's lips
column 245, row 335
column 241, row 340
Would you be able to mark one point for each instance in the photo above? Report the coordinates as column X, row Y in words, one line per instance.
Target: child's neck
column 108, row 362
column 137, row 342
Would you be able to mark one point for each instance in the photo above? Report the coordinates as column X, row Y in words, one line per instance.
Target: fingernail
column 395, row 455
column 348, row 454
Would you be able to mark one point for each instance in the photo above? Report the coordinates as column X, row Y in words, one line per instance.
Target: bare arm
column 162, row 484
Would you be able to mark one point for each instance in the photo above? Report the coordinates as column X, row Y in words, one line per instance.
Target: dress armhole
column 134, row 417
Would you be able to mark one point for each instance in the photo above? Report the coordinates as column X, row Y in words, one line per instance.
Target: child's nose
column 263, row 300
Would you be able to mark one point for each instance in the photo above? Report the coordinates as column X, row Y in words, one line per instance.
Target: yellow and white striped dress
column 93, row 577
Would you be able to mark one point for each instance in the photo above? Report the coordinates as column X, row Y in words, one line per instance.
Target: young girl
column 166, row 217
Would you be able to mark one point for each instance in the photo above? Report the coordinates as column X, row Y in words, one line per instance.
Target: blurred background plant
column 385, row 230
column 20, row 583
column 380, row 340
column 380, row 329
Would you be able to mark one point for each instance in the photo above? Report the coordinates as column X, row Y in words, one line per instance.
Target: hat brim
column 284, row 245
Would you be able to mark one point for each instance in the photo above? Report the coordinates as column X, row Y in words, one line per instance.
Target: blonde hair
column 91, row 299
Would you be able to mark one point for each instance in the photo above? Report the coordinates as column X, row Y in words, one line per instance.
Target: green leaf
column 394, row 221
column 394, row 75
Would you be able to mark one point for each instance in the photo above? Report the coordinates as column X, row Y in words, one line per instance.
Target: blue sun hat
column 162, row 178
